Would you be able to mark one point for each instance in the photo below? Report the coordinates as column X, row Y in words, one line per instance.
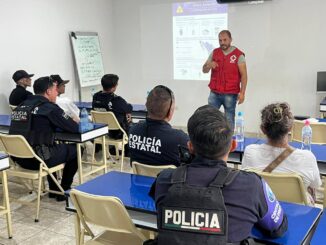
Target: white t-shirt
column 68, row 106
column 302, row 162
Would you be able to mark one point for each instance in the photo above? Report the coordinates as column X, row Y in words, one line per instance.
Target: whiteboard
column 87, row 58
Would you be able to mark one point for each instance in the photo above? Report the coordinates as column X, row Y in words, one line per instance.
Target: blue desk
column 131, row 189
column 133, row 192
column 4, row 123
column 319, row 236
column 318, row 150
column 139, row 111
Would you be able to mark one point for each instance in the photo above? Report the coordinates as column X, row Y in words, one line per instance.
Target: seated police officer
column 19, row 94
column 37, row 119
column 205, row 202
column 65, row 103
column 107, row 100
column 154, row 141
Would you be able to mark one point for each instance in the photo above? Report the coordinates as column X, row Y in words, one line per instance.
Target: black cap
column 59, row 80
column 21, row 74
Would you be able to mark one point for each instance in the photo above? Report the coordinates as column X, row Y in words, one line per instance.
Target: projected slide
column 195, row 34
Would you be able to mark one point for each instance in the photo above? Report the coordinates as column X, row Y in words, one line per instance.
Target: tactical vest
column 225, row 78
column 102, row 101
column 22, row 124
column 193, row 215
column 21, row 119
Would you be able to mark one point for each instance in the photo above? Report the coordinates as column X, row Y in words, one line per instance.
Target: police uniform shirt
column 244, row 198
column 18, row 95
column 155, row 142
column 114, row 103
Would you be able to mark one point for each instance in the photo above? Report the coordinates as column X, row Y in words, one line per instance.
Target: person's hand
column 213, row 64
column 241, row 98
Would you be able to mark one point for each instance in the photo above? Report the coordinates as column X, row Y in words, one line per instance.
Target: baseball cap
column 21, row 74
column 59, row 80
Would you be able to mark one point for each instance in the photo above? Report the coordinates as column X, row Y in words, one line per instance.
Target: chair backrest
column 106, row 117
column 149, row 170
column 17, row 146
column 318, row 132
column 104, row 211
column 12, row 107
column 286, row 187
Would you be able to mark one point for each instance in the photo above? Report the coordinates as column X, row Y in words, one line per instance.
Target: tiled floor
column 55, row 226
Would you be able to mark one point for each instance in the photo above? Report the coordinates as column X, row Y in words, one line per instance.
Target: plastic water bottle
column 306, row 136
column 239, row 127
column 84, row 123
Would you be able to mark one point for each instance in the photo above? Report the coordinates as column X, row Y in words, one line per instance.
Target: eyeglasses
column 169, row 92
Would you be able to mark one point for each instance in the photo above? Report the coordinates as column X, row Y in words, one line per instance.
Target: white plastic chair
column 107, row 212
column 17, row 146
column 149, row 170
column 113, row 124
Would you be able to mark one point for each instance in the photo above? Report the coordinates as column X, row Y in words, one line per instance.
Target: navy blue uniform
column 155, row 142
column 46, row 118
column 18, row 95
column 103, row 101
column 247, row 199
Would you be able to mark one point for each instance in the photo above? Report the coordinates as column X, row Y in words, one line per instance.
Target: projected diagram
column 195, row 34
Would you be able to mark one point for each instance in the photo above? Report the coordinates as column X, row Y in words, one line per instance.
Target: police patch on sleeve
column 193, row 220
column 274, row 216
column 65, row 115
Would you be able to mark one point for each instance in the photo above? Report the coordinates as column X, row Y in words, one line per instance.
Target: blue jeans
column 229, row 102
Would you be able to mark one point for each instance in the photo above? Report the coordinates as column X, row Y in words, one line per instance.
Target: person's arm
column 209, row 64
column 162, row 185
column 244, row 79
column 273, row 221
column 62, row 120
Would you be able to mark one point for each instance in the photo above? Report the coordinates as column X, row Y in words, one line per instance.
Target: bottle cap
column 240, row 114
column 306, row 123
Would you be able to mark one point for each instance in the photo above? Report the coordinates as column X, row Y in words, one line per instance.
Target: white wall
column 283, row 41
column 34, row 37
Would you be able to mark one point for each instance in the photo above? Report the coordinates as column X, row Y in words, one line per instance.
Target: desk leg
column 6, row 202
column 77, row 229
column 104, row 155
column 80, row 165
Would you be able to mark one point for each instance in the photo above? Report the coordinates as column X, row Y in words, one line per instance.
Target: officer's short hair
column 42, row 84
column 159, row 101
column 109, row 81
column 209, row 132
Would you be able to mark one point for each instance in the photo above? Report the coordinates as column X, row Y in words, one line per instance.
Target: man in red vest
column 228, row 71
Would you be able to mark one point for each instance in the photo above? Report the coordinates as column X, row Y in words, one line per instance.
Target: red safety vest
column 225, row 78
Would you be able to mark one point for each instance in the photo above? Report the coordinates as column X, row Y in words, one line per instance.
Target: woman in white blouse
column 276, row 123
